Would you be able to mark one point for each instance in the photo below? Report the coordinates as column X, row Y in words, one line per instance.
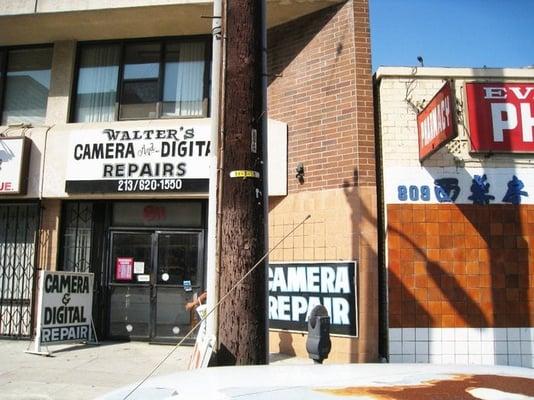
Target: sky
column 452, row 33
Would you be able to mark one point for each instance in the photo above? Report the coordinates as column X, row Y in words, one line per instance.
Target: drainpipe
column 212, row 274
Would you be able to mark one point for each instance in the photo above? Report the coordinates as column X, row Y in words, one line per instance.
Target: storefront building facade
column 456, row 156
column 106, row 127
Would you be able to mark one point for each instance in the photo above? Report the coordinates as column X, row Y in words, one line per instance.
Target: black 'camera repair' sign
column 296, row 288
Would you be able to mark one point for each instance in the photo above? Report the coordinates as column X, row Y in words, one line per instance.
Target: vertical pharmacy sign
column 435, row 123
column 64, row 308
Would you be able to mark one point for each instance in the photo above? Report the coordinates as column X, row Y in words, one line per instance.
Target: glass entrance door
column 153, row 274
column 130, row 268
column 179, row 275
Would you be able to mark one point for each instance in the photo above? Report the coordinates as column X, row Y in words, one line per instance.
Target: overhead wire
column 214, row 308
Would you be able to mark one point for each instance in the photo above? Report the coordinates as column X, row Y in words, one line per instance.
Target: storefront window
column 141, row 80
column 178, row 258
column 25, row 83
column 77, row 236
column 158, row 214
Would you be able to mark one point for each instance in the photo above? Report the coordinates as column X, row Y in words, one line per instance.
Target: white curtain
column 184, row 80
column 97, row 84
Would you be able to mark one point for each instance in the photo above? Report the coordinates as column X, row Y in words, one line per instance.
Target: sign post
column 64, row 313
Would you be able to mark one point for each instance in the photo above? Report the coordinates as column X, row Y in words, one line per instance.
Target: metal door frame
column 25, row 328
column 200, row 270
column 110, row 284
column 154, row 233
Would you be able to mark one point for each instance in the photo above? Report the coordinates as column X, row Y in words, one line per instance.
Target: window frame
column 4, row 59
column 163, row 42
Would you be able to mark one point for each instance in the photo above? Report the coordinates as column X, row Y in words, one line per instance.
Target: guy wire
column 214, row 307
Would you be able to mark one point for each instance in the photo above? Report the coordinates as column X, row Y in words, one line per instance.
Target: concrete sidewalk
column 84, row 372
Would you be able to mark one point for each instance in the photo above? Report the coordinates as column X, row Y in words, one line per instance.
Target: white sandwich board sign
column 65, row 302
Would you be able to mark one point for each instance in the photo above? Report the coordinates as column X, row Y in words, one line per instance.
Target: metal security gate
column 18, row 234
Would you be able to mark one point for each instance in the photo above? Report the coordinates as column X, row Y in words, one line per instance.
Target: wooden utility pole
column 242, row 323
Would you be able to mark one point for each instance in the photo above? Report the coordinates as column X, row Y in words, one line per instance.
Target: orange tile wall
column 460, row 265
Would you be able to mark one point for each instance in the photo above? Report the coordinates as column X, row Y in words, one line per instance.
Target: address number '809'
column 414, row 193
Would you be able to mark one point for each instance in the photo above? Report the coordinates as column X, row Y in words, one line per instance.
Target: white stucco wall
column 400, row 91
column 404, row 91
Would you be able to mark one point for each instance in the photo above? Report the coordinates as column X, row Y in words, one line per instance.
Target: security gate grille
column 18, row 233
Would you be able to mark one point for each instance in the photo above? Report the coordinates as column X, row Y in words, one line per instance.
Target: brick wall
column 321, row 87
column 320, row 68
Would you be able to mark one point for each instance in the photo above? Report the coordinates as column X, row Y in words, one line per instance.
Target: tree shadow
column 436, row 263
column 504, row 259
column 286, row 344
column 364, row 251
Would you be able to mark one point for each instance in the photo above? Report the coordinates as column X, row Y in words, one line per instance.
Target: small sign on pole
column 64, row 314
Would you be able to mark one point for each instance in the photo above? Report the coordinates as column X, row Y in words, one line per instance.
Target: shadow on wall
column 504, row 253
column 409, row 306
column 320, row 56
column 492, row 246
column 286, row 344
column 362, row 243
column 466, row 265
column 415, row 276
column 307, row 32
column 364, row 238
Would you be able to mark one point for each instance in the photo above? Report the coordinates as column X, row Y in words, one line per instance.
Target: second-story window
column 98, row 75
column 25, row 82
column 141, row 80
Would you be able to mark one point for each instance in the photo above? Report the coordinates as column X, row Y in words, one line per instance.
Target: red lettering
column 154, row 213
column 501, row 116
column 6, row 186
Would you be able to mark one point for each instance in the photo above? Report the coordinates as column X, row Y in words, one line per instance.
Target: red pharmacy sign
column 501, row 116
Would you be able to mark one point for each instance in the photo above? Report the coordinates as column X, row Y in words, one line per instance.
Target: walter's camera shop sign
column 144, row 160
column 296, row 288
column 64, row 308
